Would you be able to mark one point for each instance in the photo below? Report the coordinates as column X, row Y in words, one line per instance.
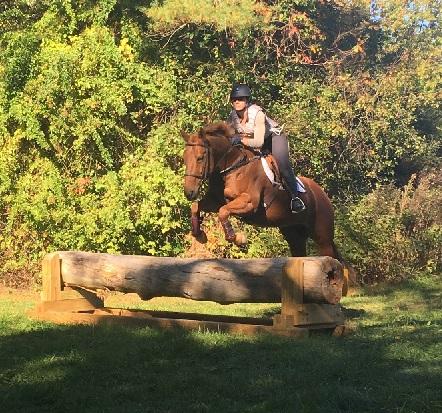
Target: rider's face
column 239, row 103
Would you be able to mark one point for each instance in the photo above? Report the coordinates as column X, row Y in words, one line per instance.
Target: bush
column 392, row 233
column 139, row 210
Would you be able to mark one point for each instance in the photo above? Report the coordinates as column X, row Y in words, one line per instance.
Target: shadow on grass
column 353, row 313
column 117, row 369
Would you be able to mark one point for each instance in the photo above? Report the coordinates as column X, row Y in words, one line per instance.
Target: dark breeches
column 280, row 150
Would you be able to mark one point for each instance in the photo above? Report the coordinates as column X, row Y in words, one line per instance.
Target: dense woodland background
column 93, row 95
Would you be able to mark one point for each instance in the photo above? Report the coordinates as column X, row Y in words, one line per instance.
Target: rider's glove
column 236, row 139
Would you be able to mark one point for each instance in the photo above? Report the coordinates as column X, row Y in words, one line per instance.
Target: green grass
column 391, row 362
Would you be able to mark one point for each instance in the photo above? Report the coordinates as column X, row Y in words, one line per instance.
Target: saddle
column 272, row 172
column 271, row 169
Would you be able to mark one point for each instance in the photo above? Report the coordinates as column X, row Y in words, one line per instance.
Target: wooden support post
column 294, row 310
column 56, row 297
column 51, row 269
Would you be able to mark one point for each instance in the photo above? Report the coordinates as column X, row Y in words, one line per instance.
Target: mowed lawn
column 390, row 362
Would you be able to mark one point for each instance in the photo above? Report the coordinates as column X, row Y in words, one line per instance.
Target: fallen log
column 221, row 280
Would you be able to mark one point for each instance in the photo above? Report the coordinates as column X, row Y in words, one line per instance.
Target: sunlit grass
column 390, row 362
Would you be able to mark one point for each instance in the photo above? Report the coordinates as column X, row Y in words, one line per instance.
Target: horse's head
column 197, row 160
column 202, row 155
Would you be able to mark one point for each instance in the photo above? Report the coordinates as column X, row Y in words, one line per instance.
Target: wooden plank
column 70, row 305
column 292, row 286
column 138, row 318
column 311, row 314
column 78, row 293
column 51, row 268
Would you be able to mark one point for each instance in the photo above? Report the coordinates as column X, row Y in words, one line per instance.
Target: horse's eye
column 200, row 158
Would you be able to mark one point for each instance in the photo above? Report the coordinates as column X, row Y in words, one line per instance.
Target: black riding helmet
column 240, row 90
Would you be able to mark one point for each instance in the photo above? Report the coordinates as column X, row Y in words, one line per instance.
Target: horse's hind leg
column 296, row 237
column 323, row 237
column 327, row 247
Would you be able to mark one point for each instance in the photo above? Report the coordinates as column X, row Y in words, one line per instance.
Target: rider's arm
column 259, row 132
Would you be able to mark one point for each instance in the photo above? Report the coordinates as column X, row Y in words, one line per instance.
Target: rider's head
column 240, row 96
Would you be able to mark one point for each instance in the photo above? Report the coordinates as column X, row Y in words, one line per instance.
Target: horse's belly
column 277, row 215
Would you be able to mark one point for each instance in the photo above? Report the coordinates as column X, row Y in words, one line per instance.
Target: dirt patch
column 16, row 294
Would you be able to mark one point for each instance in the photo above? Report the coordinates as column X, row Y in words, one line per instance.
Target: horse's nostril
column 190, row 195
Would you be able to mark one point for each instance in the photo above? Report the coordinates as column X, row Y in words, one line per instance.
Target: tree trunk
column 220, row 280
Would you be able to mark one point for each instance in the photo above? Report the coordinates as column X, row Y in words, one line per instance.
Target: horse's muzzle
column 190, row 194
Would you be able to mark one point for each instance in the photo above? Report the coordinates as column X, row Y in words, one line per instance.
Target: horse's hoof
column 201, row 237
column 241, row 240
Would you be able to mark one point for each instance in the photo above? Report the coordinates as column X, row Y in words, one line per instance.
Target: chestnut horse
column 238, row 185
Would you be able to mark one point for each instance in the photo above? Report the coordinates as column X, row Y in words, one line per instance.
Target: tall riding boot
column 280, row 151
column 296, row 203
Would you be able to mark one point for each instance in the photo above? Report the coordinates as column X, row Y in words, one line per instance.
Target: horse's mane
column 217, row 128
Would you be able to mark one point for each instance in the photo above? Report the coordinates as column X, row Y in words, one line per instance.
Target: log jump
column 308, row 288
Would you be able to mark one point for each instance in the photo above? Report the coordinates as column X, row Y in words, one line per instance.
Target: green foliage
column 94, row 94
column 137, row 210
column 87, row 99
column 395, row 233
column 233, row 14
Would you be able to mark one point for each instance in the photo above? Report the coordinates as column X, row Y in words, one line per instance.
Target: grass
column 391, row 362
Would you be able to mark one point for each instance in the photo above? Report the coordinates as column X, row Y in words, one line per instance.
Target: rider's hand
column 236, row 139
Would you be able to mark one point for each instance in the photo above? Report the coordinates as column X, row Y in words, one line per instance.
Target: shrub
column 139, row 210
column 392, row 233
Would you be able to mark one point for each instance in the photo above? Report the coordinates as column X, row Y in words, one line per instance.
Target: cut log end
column 322, row 280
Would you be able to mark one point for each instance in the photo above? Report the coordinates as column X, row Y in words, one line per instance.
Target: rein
column 242, row 162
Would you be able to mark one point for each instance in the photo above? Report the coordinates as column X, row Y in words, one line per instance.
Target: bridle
column 206, row 170
column 205, row 173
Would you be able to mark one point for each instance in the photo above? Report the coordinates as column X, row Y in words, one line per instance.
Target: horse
column 238, row 185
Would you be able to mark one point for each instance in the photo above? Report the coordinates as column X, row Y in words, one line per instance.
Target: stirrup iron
column 297, row 205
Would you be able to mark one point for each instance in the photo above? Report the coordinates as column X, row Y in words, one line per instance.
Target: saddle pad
column 271, row 176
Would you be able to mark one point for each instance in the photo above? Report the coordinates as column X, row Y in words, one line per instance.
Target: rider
column 255, row 129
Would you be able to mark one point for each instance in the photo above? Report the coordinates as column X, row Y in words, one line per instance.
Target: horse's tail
column 349, row 271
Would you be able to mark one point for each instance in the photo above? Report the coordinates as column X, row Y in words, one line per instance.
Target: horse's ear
column 202, row 134
column 185, row 136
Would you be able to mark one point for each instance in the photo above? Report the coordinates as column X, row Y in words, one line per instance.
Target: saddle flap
column 273, row 165
column 271, row 169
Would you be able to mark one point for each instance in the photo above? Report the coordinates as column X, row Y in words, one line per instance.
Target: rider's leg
column 280, row 149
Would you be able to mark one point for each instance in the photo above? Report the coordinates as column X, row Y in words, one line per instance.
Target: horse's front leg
column 195, row 219
column 243, row 204
column 206, row 204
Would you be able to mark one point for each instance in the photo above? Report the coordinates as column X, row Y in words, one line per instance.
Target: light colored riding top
column 259, row 126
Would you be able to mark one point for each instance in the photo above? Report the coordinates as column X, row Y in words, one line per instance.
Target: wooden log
column 221, row 280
